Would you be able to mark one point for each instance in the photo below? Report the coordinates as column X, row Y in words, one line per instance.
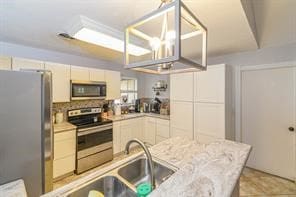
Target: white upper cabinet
column 210, row 85
column 96, row 74
column 60, row 81
column 5, row 63
column 20, row 63
column 79, row 73
column 181, row 87
column 113, row 84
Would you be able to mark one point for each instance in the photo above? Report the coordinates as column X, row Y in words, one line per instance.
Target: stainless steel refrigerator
column 26, row 134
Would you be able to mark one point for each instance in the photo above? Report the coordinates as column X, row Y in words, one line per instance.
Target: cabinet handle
column 291, row 129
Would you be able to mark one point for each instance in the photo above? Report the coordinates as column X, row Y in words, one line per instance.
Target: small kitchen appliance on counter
column 94, row 138
column 138, row 105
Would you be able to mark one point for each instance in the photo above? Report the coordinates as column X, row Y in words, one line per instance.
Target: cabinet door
column 113, row 84
column 178, row 132
column 79, row 73
column 150, row 130
column 159, row 139
column 138, row 128
column 210, row 85
column 182, row 116
column 96, row 74
column 5, row 63
column 163, row 130
column 181, row 87
column 126, row 133
column 209, row 120
column 63, row 166
column 19, row 63
column 116, row 137
column 60, row 81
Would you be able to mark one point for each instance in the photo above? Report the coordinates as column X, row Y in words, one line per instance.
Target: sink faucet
column 148, row 155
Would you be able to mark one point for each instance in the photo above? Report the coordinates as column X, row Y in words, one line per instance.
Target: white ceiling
column 36, row 23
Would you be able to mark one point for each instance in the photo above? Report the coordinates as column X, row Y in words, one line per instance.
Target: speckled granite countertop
column 137, row 115
column 13, row 189
column 211, row 170
column 204, row 170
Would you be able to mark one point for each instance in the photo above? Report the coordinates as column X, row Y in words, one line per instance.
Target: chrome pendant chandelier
column 172, row 38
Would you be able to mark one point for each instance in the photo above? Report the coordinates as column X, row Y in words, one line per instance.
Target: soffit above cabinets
column 34, row 23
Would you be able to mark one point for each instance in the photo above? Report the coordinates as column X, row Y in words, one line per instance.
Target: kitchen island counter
column 203, row 169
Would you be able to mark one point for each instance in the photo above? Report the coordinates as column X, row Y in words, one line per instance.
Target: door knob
column 291, row 129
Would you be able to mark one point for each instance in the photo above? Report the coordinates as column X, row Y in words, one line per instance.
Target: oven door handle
column 82, row 132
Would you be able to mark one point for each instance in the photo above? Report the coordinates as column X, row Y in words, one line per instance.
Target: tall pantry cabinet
column 181, row 105
column 201, row 104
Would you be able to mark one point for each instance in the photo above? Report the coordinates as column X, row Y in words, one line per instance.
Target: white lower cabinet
column 64, row 153
column 63, row 166
column 116, row 137
column 162, row 130
column 125, row 130
column 125, row 133
column 149, row 130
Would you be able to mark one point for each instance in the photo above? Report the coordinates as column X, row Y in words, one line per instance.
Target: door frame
column 238, row 86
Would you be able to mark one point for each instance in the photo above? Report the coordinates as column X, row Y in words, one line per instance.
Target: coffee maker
column 138, row 105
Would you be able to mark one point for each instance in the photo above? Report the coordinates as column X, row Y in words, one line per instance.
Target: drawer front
column 65, row 135
column 63, row 166
column 163, row 130
column 160, row 139
column 64, row 148
column 151, row 120
column 163, row 122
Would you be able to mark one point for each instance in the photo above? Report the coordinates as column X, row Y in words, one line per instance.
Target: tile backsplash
column 64, row 107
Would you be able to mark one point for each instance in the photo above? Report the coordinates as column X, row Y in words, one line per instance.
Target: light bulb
column 155, row 43
column 170, row 35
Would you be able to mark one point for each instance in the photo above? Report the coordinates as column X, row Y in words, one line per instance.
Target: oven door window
column 94, row 139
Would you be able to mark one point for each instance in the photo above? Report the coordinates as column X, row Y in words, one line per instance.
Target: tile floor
column 253, row 183
column 259, row 184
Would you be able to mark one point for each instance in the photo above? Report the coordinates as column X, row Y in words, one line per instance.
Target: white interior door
column 268, row 106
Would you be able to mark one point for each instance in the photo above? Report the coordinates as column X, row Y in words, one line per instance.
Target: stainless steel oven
column 94, row 147
column 94, row 138
column 84, row 90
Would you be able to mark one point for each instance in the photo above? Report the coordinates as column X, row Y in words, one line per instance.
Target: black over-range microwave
column 85, row 90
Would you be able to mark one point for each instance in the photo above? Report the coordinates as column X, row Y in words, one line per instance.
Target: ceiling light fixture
column 177, row 25
column 104, row 40
column 90, row 31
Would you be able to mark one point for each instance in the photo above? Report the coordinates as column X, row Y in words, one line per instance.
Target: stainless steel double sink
column 123, row 180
